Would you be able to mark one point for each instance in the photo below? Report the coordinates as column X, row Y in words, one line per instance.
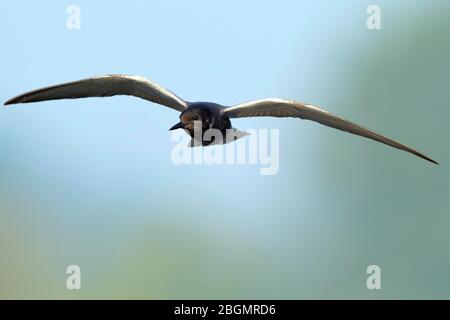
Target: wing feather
column 105, row 86
column 274, row 107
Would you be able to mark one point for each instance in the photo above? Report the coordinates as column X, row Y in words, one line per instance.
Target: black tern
column 210, row 115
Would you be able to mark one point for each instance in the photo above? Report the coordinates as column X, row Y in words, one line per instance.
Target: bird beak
column 179, row 125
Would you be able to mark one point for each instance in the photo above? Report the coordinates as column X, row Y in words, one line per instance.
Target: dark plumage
column 211, row 115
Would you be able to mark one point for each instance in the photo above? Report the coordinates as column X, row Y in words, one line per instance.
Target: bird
column 209, row 115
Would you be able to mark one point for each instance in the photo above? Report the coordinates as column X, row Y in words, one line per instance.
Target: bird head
column 187, row 119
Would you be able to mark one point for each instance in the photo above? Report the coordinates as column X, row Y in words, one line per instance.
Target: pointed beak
column 179, row 125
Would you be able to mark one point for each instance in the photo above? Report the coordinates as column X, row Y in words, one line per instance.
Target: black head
column 205, row 112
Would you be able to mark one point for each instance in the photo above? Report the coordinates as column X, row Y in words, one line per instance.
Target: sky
column 91, row 182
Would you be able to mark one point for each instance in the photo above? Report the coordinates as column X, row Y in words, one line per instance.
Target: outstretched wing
column 105, row 86
column 274, row 107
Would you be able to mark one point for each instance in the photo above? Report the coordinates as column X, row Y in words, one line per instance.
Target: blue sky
column 82, row 180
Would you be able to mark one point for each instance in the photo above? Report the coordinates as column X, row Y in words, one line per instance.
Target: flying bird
column 210, row 115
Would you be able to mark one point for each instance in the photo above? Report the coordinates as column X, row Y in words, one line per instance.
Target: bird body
column 209, row 115
column 206, row 114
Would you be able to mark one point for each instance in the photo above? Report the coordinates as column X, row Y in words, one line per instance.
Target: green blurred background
column 91, row 182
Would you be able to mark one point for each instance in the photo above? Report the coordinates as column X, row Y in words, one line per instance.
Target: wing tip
column 420, row 155
column 10, row 101
column 15, row 100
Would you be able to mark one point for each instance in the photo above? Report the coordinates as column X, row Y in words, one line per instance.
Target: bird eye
column 194, row 118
